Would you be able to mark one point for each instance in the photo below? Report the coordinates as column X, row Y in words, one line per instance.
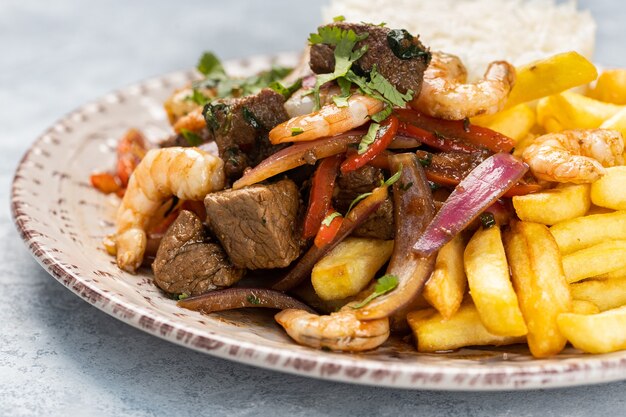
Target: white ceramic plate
column 62, row 220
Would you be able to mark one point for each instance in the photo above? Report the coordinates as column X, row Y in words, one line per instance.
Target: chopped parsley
column 384, row 284
column 427, row 160
column 192, row 138
column 295, row 131
column 198, row 97
column 487, row 219
column 405, row 187
column 210, row 65
column 401, row 43
column 368, row 138
column 285, row 91
column 339, row 18
column 183, row 296
column 253, row 299
column 329, row 219
column 249, row 117
column 342, row 100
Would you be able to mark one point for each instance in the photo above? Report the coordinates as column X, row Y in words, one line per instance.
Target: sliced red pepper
column 438, row 141
column 105, row 183
column 384, row 136
column 327, row 233
column 381, row 160
column 457, row 129
column 321, row 194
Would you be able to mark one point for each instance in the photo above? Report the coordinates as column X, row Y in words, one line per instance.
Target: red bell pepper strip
column 384, row 136
column 438, row 141
column 321, row 194
column 328, row 232
column 457, row 129
column 105, row 182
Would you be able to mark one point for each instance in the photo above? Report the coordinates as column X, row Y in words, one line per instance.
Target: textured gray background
column 59, row 355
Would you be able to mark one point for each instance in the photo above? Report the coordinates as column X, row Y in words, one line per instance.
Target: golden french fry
column 617, row 122
column 570, row 110
column 514, row 122
column 553, row 206
column 551, row 76
column 579, row 233
column 598, row 210
column 610, row 190
column 584, row 307
column 595, row 260
column 605, row 293
column 349, row 267
column 446, row 286
column 611, row 87
column 434, row 333
column 541, row 288
column 615, row 274
column 595, row 333
column 490, row 284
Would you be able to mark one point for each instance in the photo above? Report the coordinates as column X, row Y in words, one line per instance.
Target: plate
column 62, row 220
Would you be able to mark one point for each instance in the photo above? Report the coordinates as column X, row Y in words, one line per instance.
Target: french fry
column 604, row 293
column 617, row 122
column 446, row 286
column 595, row 333
column 541, row 288
column 579, row 233
column 490, row 284
column 349, row 267
column 570, row 110
column 514, row 122
column 551, row 76
column 609, row 191
column 595, row 260
column 611, row 87
column 434, row 333
column 584, row 307
column 615, row 274
column 553, row 206
column 598, row 210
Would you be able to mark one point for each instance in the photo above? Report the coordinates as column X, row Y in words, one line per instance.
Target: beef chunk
column 187, row 263
column 240, row 127
column 257, row 224
column 349, row 186
column 399, row 57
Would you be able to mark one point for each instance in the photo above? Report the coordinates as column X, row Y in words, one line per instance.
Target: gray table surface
column 61, row 356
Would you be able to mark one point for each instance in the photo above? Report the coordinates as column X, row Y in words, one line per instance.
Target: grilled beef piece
column 187, row 263
column 257, row 225
column 398, row 56
column 349, row 186
column 240, row 127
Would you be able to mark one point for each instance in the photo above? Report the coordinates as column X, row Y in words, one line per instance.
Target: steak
column 240, row 127
column 380, row 224
column 399, row 57
column 187, row 263
column 257, row 225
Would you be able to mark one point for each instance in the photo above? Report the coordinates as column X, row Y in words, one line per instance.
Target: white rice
column 481, row 31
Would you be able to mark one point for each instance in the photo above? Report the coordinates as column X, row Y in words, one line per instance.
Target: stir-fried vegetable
column 484, row 185
column 413, row 210
column 384, row 137
column 232, row 298
column 321, row 194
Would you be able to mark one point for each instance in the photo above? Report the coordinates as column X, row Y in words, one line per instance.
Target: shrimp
column 577, row 156
column 330, row 120
column 446, row 95
column 340, row 331
column 188, row 173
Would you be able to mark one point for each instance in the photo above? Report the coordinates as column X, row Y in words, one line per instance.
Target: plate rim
column 329, row 366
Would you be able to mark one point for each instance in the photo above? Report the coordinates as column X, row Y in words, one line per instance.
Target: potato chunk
column 553, row 206
column 349, row 267
column 595, row 260
column 610, row 190
column 582, row 232
column 605, row 293
column 595, row 333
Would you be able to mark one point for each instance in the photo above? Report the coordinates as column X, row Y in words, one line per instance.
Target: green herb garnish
column 253, row 299
column 183, row 296
column 368, row 138
column 427, row 160
column 210, row 65
column 433, row 186
column 359, row 198
column 342, row 100
column 395, row 177
column 285, row 91
column 249, row 117
column 295, row 131
column 384, row 284
column 401, row 43
column 405, row 187
column 339, row 18
column 192, row 138
column 198, row 98
column 329, row 219
column 487, row 219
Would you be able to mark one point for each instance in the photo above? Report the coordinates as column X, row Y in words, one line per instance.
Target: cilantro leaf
column 198, row 98
column 295, row 131
column 339, row 18
column 192, row 138
column 183, row 296
column 253, row 299
column 392, row 180
column 387, row 90
column 342, row 100
column 210, row 65
column 285, row 91
column 383, row 114
column 369, row 138
column 329, row 219
column 384, row 284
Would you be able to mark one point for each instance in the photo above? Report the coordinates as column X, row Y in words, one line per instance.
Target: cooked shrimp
column 330, row 120
column 577, row 156
column 338, row 331
column 301, row 102
column 188, row 173
column 446, row 95
column 192, row 121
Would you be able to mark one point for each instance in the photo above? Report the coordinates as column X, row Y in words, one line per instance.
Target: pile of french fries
column 556, row 275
